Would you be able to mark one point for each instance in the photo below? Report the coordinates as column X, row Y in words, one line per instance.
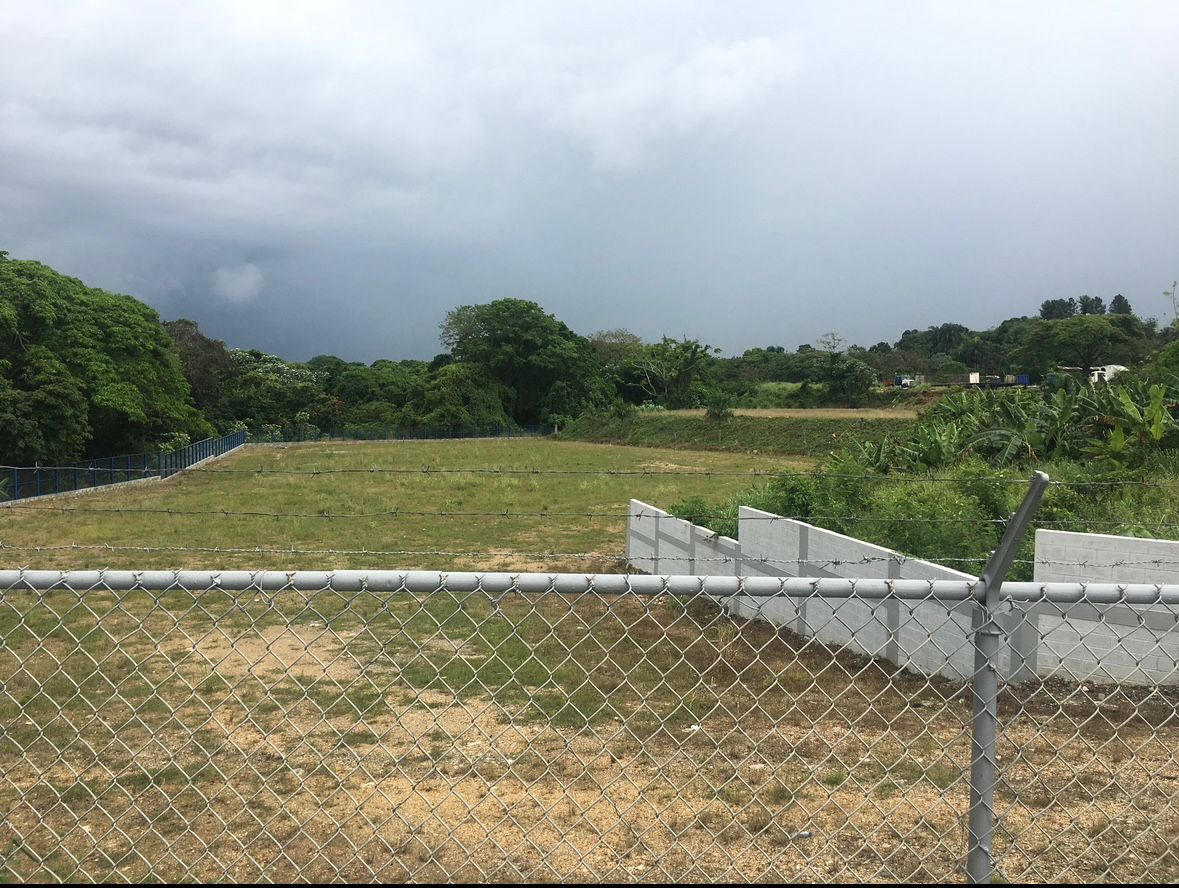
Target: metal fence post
column 984, row 766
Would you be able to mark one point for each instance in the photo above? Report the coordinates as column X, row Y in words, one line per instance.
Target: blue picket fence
column 23, row 482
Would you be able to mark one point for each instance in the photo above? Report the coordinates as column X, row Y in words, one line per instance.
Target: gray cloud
column 237, row 284
column 335, row 177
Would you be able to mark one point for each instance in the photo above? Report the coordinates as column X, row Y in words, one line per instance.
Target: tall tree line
column 84, row 372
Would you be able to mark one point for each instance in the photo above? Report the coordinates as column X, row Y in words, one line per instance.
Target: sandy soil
column 283, row 774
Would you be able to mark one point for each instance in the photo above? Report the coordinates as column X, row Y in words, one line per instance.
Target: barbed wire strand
column 536, row 471
column 587, row 556
column 542, row 513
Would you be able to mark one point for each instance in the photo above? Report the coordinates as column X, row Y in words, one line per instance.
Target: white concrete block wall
column 935, row 638
column 1078, row 642
column 769, row 543
column 927, row 636
column 642, row 536
column 766, row 545
column 658, row 543
column 1067, row 557
column 1081, row 644
column 1084, row 650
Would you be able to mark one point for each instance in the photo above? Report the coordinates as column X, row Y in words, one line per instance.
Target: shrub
column 720, row 408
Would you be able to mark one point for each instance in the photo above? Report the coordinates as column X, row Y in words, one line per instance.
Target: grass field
column 200, row 734
column 561, row 513
column 790, row 433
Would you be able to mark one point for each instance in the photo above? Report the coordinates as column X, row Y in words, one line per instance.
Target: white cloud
column 238, row 284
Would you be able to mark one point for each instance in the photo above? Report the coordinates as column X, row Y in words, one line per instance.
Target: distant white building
column 1106, row 373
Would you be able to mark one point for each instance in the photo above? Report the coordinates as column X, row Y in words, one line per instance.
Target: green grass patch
column 793, row 436
column 545, row 513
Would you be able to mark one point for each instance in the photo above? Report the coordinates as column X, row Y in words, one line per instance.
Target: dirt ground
column 569, row 739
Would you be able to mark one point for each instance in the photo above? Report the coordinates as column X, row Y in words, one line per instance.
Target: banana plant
column 1134, row 430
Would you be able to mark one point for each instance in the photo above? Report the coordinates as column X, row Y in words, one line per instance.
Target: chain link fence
column 388, row 726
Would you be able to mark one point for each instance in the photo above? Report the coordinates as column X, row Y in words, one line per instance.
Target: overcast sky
column 311, row 178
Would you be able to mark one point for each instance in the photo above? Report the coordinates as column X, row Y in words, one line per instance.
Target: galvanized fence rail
column 24, row 482
column 363, row 725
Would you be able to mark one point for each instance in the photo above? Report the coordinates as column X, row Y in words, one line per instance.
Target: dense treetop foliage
column 86, row 373
column 83, row 371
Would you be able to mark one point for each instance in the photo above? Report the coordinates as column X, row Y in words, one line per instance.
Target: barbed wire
column 544, row 513
column 585, row 556
column 752, row 473
column 422, row 513
column 295, row 550
column 626, row 473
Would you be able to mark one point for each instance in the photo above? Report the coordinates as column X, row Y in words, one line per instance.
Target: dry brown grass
column 206, row 736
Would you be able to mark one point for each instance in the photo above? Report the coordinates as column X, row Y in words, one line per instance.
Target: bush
column 784, row 395
column 849, row 380
column 720, row 408
column 174, row 441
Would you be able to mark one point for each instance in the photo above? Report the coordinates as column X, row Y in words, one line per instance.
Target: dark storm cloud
column 335, row 178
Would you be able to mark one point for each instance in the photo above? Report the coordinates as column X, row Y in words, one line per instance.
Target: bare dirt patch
column 563, row 738
column 295, row 651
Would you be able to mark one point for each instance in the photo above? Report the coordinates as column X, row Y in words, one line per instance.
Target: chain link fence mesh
column 1088, row 752
column 186, row 730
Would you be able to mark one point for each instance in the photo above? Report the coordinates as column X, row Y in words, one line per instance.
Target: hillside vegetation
column 794, row 435
column 943, row 489
column 86, row 373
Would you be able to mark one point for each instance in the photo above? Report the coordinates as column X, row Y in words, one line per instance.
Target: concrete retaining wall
column 1079, row 642
column 931, row 637
column 1106, row 643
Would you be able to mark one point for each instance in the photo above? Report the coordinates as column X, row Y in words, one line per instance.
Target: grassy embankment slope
column 796, row 433
column 559, row 513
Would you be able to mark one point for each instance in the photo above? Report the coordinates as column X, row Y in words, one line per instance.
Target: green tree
column 528, row 352
column 848, row 379
column 1120, row 305
column 615, row 348
column 266, row 390
column 980, row 353
column 947, row 337
column 1058, row 309
column 670, row 368
column 206, row 364
column 85, row 372
column 1086, row 341
column 462, row 395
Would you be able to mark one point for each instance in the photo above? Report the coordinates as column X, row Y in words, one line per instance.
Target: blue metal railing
column 23, row 482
